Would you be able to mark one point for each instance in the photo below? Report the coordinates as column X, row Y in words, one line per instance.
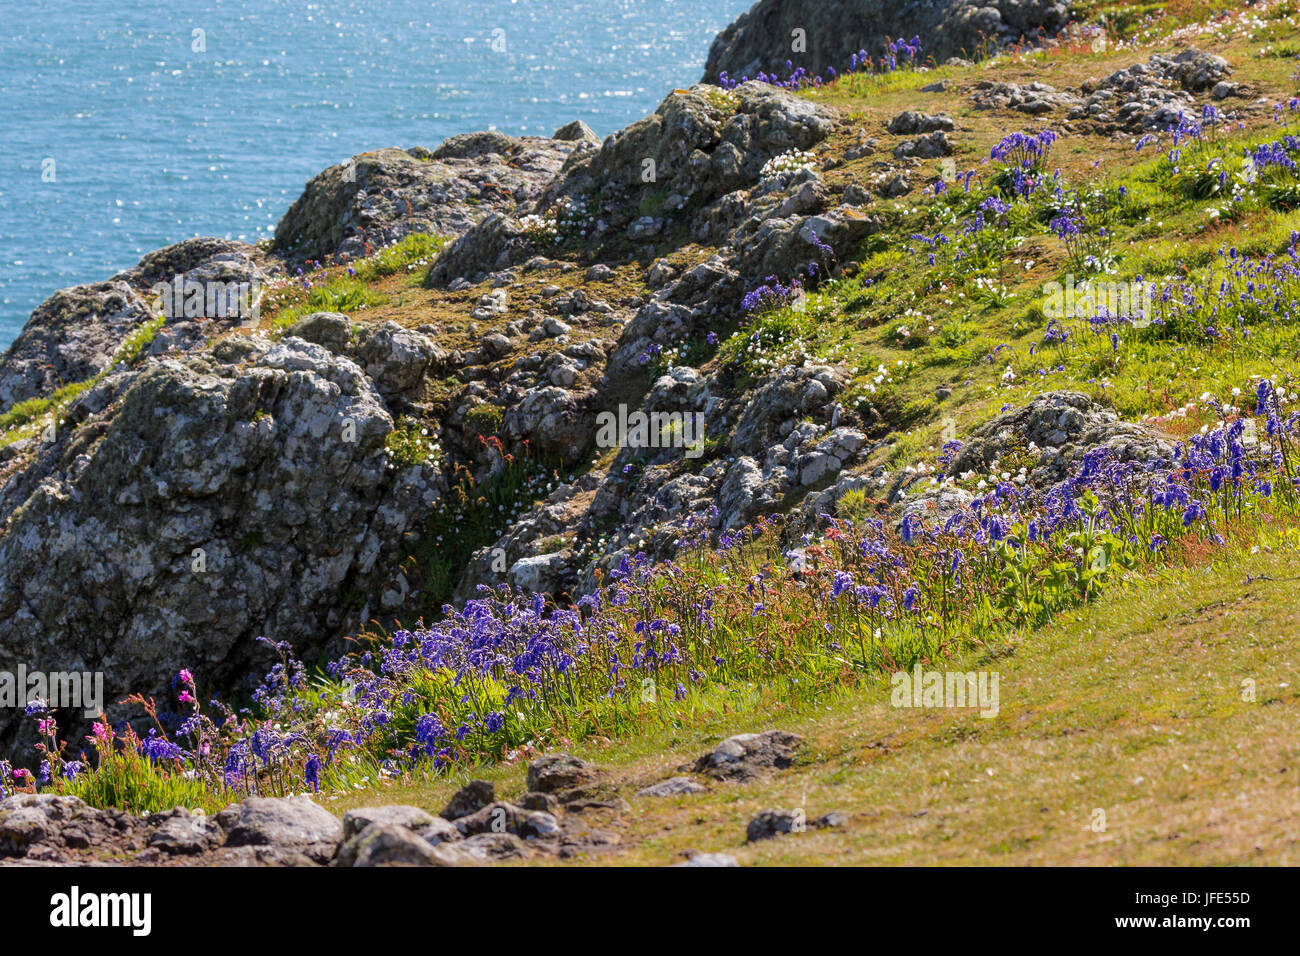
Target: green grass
column 1133, row 705
column 29, row 411
column 1121, row 689
column 339, row 294
column 406, row 255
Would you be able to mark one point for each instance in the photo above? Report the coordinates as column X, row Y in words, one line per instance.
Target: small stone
column 539, row 801
column 772, row 823
column 471, row 798
column 747, row 755
column 412, row 818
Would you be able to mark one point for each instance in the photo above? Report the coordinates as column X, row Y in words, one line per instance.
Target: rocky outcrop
column 241, row 493
column 1152, row 95
column 1057, row 429
column 548, row 820
column 394, row 358
column 376, row 198
column 75, row 333
column 761, row 38
column 699, row 145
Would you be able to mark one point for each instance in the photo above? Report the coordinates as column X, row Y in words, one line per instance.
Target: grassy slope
column 1133, row 705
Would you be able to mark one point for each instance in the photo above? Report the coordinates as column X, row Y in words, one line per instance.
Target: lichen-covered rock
column 745, row 756
column 1032, row 98
column 376, row 198
column 51, row 828
column 216, row 500
column 394, row 358
column 179, row 832
column 75, row 333
column 911, row 122
column 558, row 422
column 760, row 39
column 771, row 413
column 1151, row 95
column 697, row 146
column 388, row 844
column 928, row 146
column 503, row 817
column 1062, row 427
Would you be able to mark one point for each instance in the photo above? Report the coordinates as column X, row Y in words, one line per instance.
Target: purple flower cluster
column 897, row 54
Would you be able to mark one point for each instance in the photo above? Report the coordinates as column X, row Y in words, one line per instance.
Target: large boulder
column 241, row 493
column 75, row 333
column 1057, row 429
column 376, row 198
column 761, row 38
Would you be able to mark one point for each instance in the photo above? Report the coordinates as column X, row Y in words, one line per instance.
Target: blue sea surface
column 130, row 125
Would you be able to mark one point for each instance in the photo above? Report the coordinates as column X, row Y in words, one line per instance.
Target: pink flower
column 185, row 697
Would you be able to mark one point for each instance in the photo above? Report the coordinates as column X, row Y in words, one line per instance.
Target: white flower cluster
column 539, row 228
column 788, row 162
column 572, row 217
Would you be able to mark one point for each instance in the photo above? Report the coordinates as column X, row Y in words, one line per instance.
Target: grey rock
column 1032, row 98
column 388, row 844
column 746, row 756
column 288, row 823
column 702, row 150
column 472, row 797
column 491, row 304
column 576, row 132
column 545, row 802
column 21, row 827
column 838, row 29
column 910, row 122
column 1064, row 426
column 508, row 818
column 895, row 186
column 561, row 773
column 412, row 818
column 379, row 197
column 75, row 333
column 214, row 499
column 772, row 823
column 181, row 833
column 482, row 848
